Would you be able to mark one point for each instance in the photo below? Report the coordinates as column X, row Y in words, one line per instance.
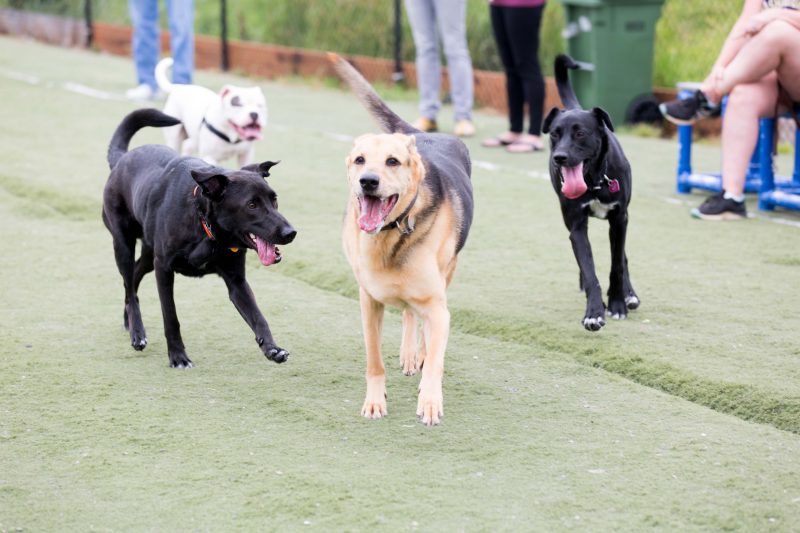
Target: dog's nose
column 288, row 234
column 559, row 158
column 254, row 115
column 369, row 182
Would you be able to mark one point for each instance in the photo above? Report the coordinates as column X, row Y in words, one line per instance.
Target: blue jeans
column 429, row 20
column 147, row 39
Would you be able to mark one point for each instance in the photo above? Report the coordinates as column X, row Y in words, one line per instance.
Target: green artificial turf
column 683, row 417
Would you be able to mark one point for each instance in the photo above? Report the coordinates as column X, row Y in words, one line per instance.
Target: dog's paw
column 632, row 301
column 278, row 355
column 617, row 309
column 138, row 341
column 180, row 360
column 408, row 362
column 430, row 403
column 375, row 402
column 594, row 323
column 272, row 352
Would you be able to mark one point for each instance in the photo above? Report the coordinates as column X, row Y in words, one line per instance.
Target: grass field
column 684, row 417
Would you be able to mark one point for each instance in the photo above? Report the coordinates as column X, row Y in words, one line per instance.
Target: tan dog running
column 408, row 215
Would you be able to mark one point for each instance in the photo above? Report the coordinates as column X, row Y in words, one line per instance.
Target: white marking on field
column 782, row 221
column 674, row 201
column 90, row 91
column 21, row 76
column 486, row 165
column 341, row 137
column 539, row 175
column 494, row 167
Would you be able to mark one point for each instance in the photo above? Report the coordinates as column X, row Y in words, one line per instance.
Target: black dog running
column 192, row 218
column 592, row 177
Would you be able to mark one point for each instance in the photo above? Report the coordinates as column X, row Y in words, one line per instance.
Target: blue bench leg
column 684, row 159
column 796, row 173
column 766, row 139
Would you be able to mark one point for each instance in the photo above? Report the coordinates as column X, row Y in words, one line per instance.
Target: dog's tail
column 161, row 75
column 388, row 120
column 568, row 98
column 132, row 123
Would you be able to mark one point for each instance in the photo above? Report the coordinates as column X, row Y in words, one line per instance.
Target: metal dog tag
column 613, row 186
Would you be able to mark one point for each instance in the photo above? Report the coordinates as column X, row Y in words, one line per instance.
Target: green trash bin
column 613, row 41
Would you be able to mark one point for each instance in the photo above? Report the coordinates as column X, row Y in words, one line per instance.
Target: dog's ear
column 261, row 168
column 224, row 91
column 602, row 117
column 213, row 184
column 409, row 140
column 417, row 166
column 548, row 120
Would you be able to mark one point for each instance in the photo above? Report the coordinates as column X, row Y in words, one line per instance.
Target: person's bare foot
column 526, row 143
column 504, row 139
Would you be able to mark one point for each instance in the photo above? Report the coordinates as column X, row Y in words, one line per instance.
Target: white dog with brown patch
column 215, row 126
column 408, row 215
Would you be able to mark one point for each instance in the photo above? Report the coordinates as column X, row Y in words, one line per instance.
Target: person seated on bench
column 758, row 69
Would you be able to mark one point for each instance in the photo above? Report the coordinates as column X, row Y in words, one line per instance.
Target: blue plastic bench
column 773, row 191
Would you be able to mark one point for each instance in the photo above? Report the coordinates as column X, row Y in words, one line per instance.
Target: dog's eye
column 236, row 101
column 580, row 134
column 251, row 205
column 392, row 162
column 274, row 201
column 359, row 160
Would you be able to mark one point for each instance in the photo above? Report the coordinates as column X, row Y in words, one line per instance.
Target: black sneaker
column 687, row 110
column 718, row 207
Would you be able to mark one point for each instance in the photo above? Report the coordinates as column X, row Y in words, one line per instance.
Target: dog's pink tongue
column 371, row 213
column 252, row 133
column 574, row 185
column 266, row 252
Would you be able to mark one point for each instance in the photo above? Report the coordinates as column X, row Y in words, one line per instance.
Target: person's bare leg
column 774, row 48
column 747, row 103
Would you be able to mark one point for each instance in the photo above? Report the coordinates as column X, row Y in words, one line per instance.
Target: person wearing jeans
column 516, row 24
column 430, row 20
column 147, row 44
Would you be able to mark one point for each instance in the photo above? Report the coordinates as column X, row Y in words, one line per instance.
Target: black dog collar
column 402, row 220
column 218, row 133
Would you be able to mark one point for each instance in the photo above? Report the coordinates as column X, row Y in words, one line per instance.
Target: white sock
column 729, row 196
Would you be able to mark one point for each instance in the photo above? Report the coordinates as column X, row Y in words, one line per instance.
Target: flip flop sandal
column 495, row 142
column 523, row 147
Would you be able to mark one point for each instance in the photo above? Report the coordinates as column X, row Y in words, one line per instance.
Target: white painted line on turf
column 674, row 201
column 494, row 167
column 782, row 221
column 341, row 137
column 20, row 76
column 486, row 165
column 90, row 91
column 539, row 175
